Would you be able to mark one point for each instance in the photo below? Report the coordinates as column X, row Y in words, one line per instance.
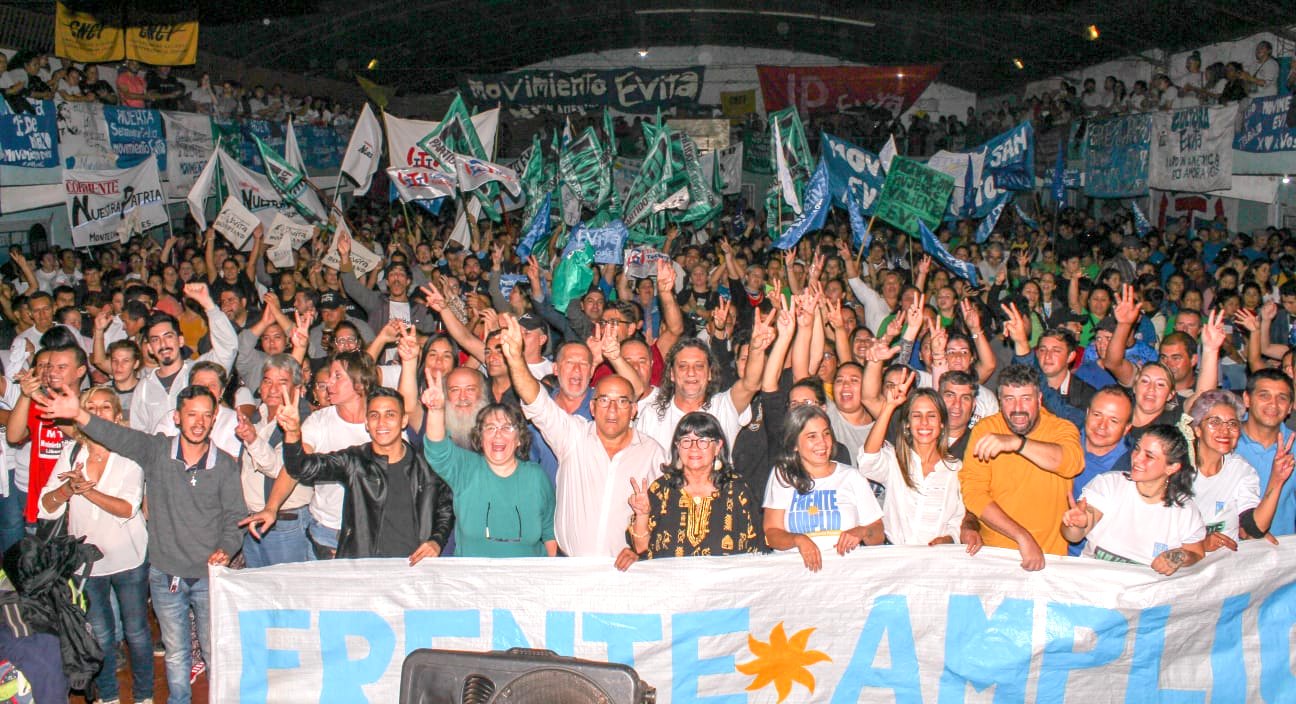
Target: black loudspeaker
column 517, row 676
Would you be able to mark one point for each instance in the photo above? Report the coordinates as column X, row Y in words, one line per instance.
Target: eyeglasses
column 518, row 539
column 345, row 341
column 803, row 402
column 506, row 429
column 1215, row 423
column 686, row 443
column 604, row 401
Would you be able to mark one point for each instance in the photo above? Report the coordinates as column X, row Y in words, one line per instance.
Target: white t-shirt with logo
column 1222, row 498
column 325, row 431
column 840, row 501
column 1133, row 530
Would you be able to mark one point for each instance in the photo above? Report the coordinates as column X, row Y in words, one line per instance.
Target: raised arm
column 986, row 362
column 209, row 254
column 672, row 318
column 895, row 398
column 524, row 383
column 224, row 339
column 1127, row 314
column 1212, row 338
column 749, row 385
column 468, row 342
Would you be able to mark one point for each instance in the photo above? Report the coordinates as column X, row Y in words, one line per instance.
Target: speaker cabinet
column 517, row 676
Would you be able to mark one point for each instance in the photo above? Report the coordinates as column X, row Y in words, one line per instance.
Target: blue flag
column 1140, row 221
column 969, row 192
column 1059, row 174
column 933, row 246
column 608, row 241
column 537, row 228
column 1021, row 215
column 988, row 223
column 815, row 203
column 860, row 235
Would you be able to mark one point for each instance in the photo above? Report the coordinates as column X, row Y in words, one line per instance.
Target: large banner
column 103, row 204
column 113, row 34
column 630, row 90
column 913, row 193
column 255, row 192
column 27, row 138
column 163, row 40
column 135, row 134
column 903, row 624
column 1264, row 126
column 83, row 137
column 403, row 137
column 835, row 88
column 852, row 170
column 1192, row 149
column 81, row 36
column 1116, row 156
column 188, row 145
column 1005, row 162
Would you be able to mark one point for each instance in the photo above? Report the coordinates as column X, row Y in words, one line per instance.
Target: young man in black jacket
column 395, row 505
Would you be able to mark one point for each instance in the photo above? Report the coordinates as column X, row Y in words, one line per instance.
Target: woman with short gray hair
column 1227, row 488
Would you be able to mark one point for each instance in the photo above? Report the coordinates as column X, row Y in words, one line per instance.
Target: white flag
column 784, row 176
column 360, row 161
column 888, row 153
column 461, row 233
column 421, row 184
column 292, row 152
column 475, row 173
column 197, row 197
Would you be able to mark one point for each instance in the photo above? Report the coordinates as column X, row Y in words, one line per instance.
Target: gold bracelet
column 638, row 535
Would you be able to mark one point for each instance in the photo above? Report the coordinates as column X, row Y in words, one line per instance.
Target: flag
column 456, row 134
column 703, row 204
column 786, row 187
column 378, row 94
column 1141, row 223
column 657, row 181
column 474, row 173
column 1021, row 215
column 414, row 184
column 988, row 222
column 934, row 247
column 360, row 161
column 609, row 133
column 1059, row 172
column 290, row 182
column 292, row 152
column 717, row 173
column 201, row 189
column 818, row 201
column 572, row 277
column 888, row 153
column 860, row 236
column 586, row 169
column 537, row 228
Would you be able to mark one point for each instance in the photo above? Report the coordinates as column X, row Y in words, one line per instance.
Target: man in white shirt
column 159, row 386
column 214, row 377
column 1263, row 77
column 690, row 383
column 596, row 459
column 25, row 344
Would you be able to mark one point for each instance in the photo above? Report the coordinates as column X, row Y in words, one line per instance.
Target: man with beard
column 194, row 505
column 160, row 386
column 380, row 307
column 1268, row 400
column 595, row 459
column 1016, row 476
column 465, row 397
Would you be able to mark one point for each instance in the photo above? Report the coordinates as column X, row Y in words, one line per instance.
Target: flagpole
column 868, row 234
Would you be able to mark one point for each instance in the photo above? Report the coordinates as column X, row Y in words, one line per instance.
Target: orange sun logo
column 782, row 661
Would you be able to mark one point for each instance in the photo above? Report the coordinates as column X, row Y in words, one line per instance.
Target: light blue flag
column 815, row 203
column 933, row 246
column 608, row 241
column 859, row 230
column 1021, row 215
column 988, row 222
column 537, row 228
column 1140, row 221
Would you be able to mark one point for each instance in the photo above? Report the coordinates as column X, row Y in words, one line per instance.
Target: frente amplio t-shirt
column 840, row 501
column 1133, row 530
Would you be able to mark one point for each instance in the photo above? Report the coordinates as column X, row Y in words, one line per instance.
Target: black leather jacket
column 364, row 476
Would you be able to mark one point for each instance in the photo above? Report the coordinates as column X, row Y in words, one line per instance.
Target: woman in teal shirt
column 503, row 504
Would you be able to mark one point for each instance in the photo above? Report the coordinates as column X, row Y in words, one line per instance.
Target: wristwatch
column 1022, row 446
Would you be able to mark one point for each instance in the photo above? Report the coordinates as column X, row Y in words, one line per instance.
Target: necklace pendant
column 193, row 480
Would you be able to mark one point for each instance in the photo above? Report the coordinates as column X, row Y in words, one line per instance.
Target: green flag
column 456, row 134
column 703, row 203
column 586, row 168
column 289, row 182
column 912, row 193
column 660, row 181
column 572, row 277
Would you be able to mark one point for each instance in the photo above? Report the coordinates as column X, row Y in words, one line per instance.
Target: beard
column 459, row 423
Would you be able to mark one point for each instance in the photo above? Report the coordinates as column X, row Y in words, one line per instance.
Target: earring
column 718, row 464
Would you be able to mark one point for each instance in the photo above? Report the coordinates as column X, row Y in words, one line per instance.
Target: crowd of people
column 32, row 76
column 185, row 404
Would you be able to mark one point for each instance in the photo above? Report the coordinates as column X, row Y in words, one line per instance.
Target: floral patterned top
column 681, row 525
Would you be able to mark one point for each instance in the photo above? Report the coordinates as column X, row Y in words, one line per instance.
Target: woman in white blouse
column 101, row 493
column 924, row 504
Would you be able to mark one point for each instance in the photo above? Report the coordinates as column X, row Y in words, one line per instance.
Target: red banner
column 835, row 88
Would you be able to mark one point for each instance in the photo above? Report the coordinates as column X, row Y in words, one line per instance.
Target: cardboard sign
column 283, row 228
column 236, row 222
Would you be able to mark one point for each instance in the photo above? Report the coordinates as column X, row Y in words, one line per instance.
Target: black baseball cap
column 331, row 299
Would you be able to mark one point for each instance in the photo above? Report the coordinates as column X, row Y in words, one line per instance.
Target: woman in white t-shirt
column 1145, row 517
column 811, row 502
column 1227, row 488
column 924, row 503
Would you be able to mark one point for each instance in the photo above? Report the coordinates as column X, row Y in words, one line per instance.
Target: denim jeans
column 13, row 524
column 286, row 542
column 130, row 589
column 172, row 611
column 323, row 539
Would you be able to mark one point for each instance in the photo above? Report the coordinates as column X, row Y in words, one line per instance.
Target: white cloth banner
column 1192, row 150
column 415, row 183
column 189, row 144
column 360, row 160
column 83, row 137
column 904, row 624
column 255, row 191
column 730, row 168
column 475, row 173
column 100, row 201
column 403, row 137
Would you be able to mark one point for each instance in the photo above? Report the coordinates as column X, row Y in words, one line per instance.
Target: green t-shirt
column 520, row 506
